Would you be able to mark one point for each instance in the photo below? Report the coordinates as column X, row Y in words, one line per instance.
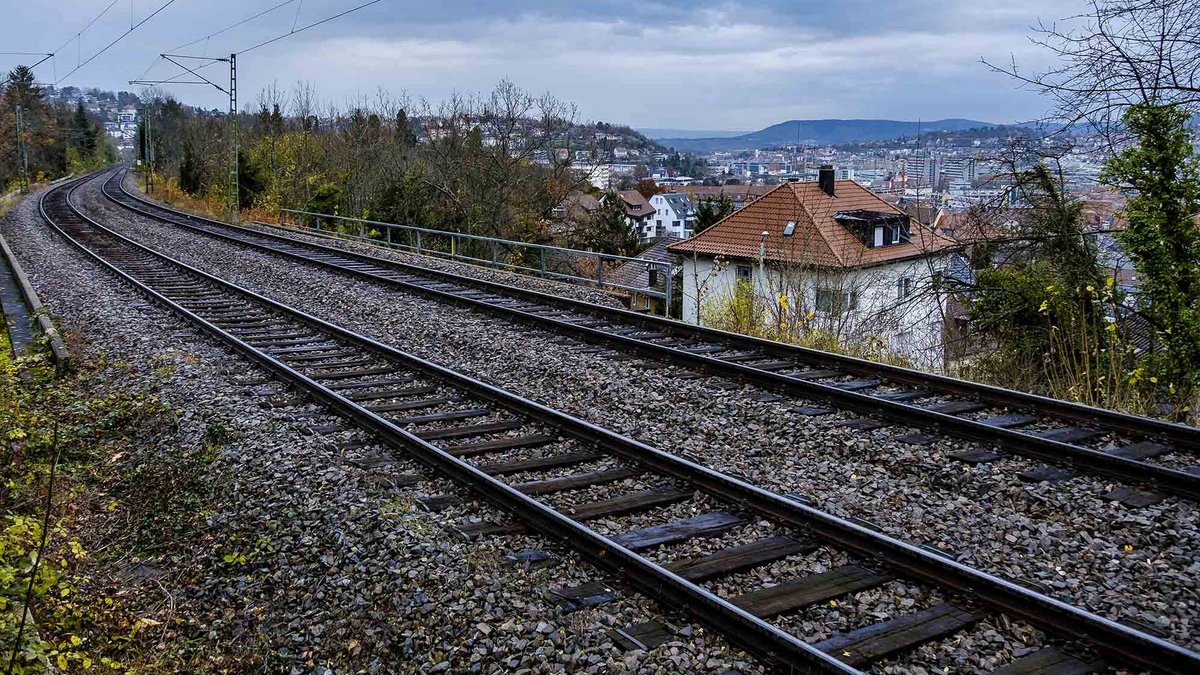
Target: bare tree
column 493, row 162
column 1121, row 52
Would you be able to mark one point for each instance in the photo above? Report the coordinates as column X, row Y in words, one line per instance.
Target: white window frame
column 846, row 301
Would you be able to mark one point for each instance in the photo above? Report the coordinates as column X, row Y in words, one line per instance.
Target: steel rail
column 1061, row 619
column 1180, row 483
column 743, row 628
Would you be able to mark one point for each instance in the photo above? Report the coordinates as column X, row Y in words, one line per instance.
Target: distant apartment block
column 674, row 216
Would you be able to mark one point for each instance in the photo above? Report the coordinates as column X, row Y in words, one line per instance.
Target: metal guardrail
column 38, row 317
column 554, row 262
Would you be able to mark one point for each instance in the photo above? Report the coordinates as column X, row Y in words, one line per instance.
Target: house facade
column 828, row 256
column 638, row 212
column 674, row 216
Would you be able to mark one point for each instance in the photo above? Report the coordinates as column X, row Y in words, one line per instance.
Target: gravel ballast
column 309, row 562
column 1122, row 563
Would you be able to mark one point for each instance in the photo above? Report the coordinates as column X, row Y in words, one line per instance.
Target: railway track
column 1067, row 436
column 528, row 460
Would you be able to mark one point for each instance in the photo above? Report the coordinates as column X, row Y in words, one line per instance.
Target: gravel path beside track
column 1142, row 565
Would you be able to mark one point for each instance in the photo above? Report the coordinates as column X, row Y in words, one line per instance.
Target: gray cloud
column 680, row 64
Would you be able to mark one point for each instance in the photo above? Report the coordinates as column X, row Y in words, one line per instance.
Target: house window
column 743, row 273
column 675, row 223
column 904, row 287
column 895, row 235
column 879, row 236
column 829, row 301
column 652, row 278
column 789, row 229
column 824, row 301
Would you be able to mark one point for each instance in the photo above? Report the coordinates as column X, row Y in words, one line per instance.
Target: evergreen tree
column 21, row 89
column 404, row 131
column 610, row 231
column 190, row 171
column 82, row 133
column 1161, row 175
column 710, row 212
column 250, row 182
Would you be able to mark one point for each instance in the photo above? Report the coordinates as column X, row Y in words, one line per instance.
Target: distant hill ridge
column 821, row 131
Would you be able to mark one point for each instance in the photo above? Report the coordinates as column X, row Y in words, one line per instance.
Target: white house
column 674, row 216
column 638, row 212
column 828, row 256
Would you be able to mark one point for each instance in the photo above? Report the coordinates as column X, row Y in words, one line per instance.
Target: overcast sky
column 695, row 64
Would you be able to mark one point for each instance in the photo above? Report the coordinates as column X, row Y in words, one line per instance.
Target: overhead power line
column 175, row 79
column 120, row 37
column 216, row 33
column 40, row 62
column 311, row 25
column 80, row 32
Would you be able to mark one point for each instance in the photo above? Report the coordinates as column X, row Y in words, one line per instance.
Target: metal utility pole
column 234, row 212
column 148, row 151
column 235, row 207
column 22, row 153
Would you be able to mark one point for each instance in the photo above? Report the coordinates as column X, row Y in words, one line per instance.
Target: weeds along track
column 534, row 462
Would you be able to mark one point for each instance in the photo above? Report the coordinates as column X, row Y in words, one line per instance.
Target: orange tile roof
column 975, row 225
column 818, row 239
column 636, row 205
column 735, row 192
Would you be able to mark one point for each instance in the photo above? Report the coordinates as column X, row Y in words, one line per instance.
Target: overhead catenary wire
column 264, row 43
column 120, row 37
column 311, row 25
column 248, row 19
column 216, row 33
column 44, row 56
column 78, row 34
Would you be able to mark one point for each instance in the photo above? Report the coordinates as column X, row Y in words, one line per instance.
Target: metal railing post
column 669, row 288
column 476, row 253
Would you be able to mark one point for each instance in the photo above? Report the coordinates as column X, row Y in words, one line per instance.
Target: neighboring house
column 572, row 213
column 740, row 195
column 639, row 278
column 638, row 212
column 674, row 216
column 828, row 256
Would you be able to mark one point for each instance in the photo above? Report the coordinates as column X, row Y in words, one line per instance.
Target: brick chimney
column 825, row 179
